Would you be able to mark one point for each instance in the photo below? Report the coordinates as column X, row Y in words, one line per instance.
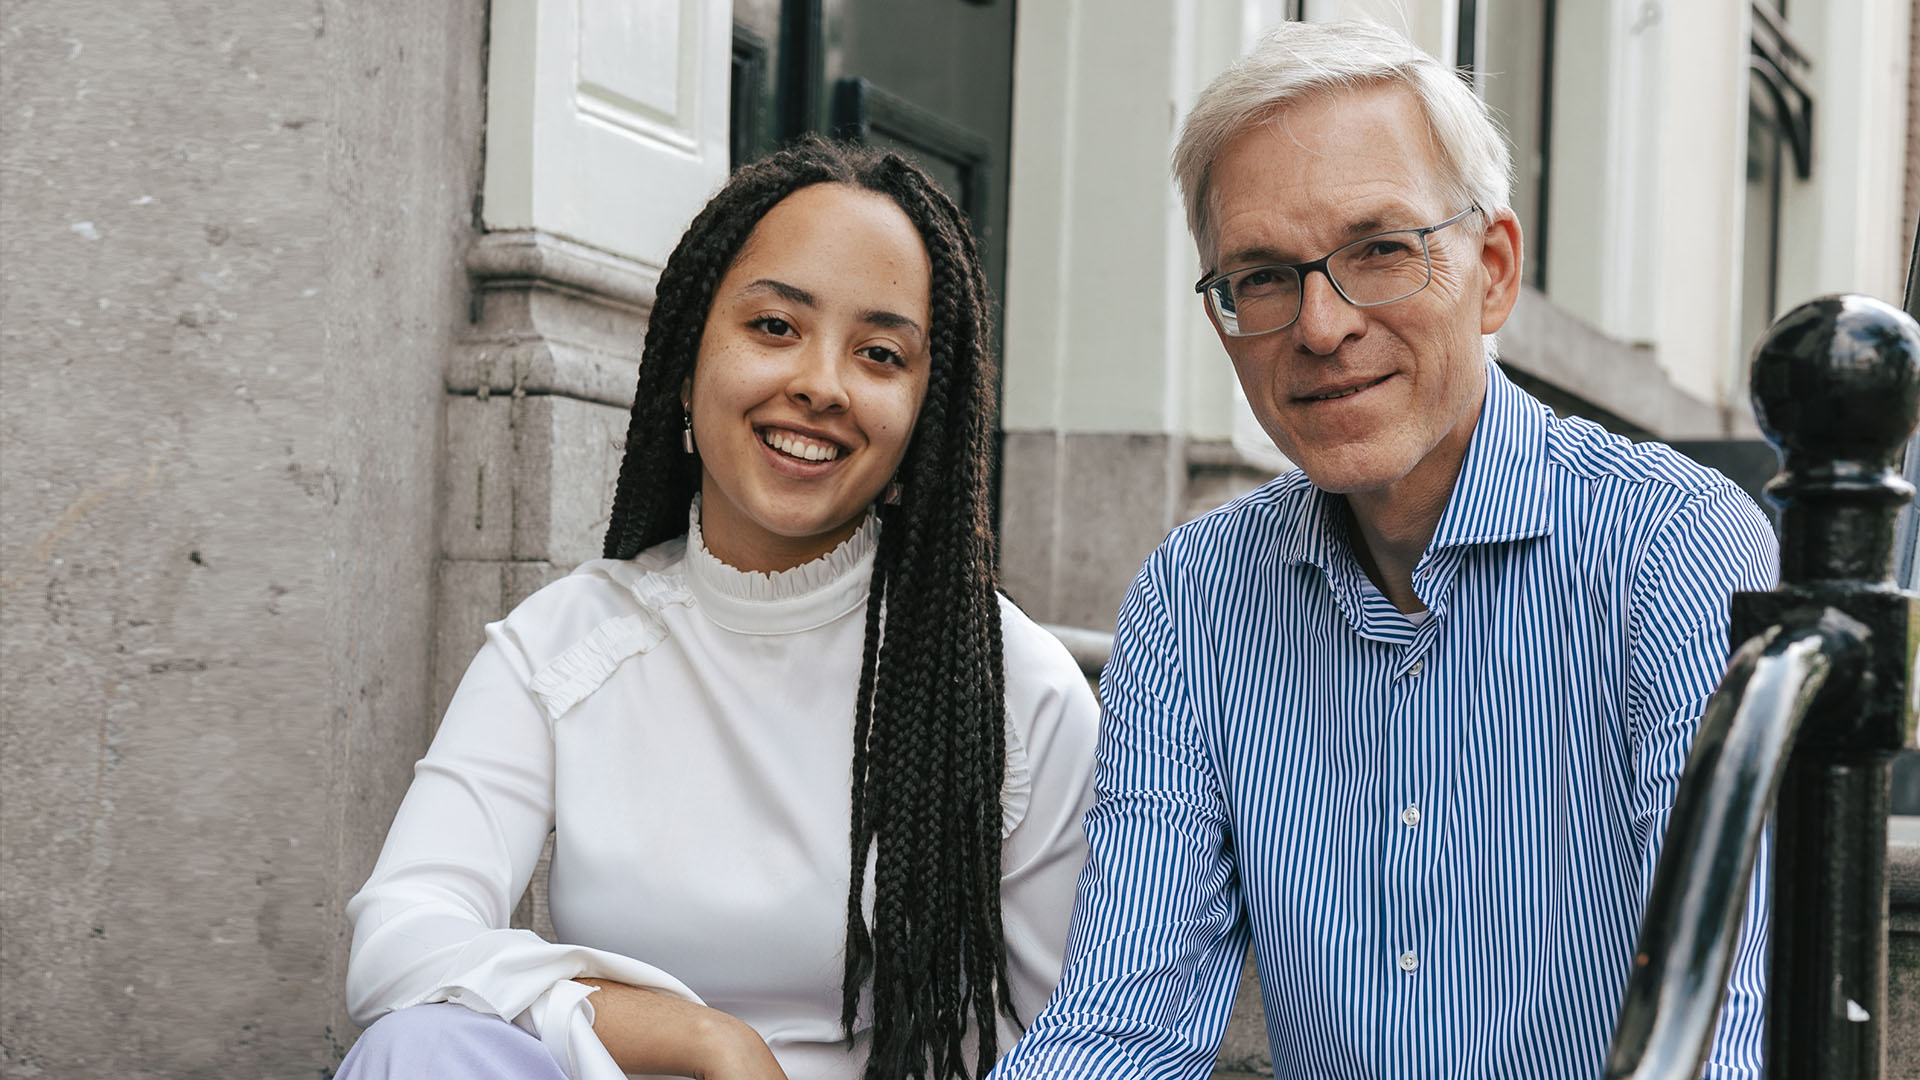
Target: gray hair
column 1298, row 60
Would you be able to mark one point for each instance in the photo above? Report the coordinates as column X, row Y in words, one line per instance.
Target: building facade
column 318, row 324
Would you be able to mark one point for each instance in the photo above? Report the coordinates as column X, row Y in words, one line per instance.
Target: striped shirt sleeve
column 1715, row 543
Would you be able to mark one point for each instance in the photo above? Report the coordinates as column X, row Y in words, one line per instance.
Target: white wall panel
column 607, row 119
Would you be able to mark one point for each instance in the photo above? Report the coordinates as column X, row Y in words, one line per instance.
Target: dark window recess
column 1464, row 36
column 956, row 157
column 748, row 135
column 1783, row 71
column 1513, row 70
column 1779, row 130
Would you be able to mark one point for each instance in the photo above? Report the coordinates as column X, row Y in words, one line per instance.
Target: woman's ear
column 686, row 394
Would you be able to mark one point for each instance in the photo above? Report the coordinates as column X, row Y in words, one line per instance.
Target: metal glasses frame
column 1205, row 285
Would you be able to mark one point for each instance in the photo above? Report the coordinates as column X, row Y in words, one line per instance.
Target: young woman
column 815, row 787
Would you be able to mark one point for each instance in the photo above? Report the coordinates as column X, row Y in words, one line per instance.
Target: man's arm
column 1155, row 948
column 1714, row 545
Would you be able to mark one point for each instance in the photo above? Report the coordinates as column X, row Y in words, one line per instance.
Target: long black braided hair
column 929, row 744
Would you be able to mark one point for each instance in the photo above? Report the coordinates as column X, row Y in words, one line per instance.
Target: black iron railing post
column 1836, row 388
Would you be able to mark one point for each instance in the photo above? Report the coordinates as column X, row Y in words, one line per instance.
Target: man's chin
column 1350, row 474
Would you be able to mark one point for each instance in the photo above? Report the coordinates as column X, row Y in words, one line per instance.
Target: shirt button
column 1409, row 963
column 1418, row 667
column 1411, row 815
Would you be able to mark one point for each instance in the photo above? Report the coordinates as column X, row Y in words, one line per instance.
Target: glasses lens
column 1256, row 300
column 1381, row 269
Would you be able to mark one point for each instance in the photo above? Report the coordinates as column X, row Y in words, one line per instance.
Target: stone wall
column 232, row 275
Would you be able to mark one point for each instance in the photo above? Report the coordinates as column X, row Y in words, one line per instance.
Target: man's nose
column 1326, row 318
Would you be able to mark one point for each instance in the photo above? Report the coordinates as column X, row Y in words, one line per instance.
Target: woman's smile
column 797, row 446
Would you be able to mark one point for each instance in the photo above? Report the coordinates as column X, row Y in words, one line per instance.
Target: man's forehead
column 1344, row 162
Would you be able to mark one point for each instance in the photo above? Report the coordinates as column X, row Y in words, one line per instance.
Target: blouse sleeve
column 431, row 923
column 1053, row 721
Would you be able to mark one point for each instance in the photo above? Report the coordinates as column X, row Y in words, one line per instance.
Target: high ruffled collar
column 808, row 596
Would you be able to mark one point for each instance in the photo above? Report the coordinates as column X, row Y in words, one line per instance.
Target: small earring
column 686, row 435
column 892, row 495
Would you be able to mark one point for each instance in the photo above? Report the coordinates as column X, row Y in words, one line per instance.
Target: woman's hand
column 648, row 1032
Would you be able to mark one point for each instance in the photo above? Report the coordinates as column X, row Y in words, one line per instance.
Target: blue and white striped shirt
column 1438, row 835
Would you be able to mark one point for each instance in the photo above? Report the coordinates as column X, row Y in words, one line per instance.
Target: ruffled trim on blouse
column 581, row 670
column 810, row 595
column 1016, row 783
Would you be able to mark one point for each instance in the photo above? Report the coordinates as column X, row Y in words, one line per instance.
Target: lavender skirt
column 446, row 1042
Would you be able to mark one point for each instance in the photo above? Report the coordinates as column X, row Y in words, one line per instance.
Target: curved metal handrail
column 1698, row 898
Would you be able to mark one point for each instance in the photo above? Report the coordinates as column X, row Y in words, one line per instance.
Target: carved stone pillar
column 539, row 389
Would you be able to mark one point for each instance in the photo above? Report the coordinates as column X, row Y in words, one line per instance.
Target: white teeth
column 799, row 446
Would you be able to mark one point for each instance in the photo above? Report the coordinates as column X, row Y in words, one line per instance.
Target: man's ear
column 1208, row 308
column 1501, row 250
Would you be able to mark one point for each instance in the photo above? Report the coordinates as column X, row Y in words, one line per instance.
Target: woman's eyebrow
column 891, row 321
column 790, row 293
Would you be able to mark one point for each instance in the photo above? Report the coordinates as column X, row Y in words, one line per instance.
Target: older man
column 1411, row 718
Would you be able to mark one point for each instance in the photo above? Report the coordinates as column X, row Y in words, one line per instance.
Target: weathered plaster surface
column 231, row 275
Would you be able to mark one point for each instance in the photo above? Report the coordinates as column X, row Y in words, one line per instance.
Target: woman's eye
column 772, row 324
column 883, row 355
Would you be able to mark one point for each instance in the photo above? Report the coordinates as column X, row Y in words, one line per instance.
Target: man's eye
column 1261, row 282
column 1385, row 247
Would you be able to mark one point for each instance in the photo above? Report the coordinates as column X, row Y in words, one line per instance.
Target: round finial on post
column 1836, row 389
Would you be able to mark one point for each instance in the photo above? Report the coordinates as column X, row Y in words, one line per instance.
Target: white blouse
column 685, row 731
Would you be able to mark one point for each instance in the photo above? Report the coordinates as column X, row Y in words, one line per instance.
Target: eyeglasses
column 1368, row 272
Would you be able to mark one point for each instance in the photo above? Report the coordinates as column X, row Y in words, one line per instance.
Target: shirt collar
column 1502, row 493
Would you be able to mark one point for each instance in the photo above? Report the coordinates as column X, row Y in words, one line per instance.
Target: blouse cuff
column 530, row 982
column 563, row 1019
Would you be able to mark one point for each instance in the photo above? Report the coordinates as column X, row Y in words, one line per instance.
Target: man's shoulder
column 1249, row 524
column 1583, row 451
column 1628, row 495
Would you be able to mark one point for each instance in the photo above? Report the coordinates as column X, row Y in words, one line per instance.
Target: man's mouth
column 800, row 447
column 1347, row 391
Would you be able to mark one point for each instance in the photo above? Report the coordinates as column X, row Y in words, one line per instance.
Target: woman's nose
column 816, row 380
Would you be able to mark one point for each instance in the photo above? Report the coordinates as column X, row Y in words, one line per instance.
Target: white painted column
column 1110, row 366
column 1702, row 181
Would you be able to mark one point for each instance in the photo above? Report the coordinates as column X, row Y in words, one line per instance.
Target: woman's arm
column 654, row 1033
column 431, row 922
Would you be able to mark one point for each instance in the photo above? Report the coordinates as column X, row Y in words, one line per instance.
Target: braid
column 929, row 740
column 943, row 772
column 859, row 941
